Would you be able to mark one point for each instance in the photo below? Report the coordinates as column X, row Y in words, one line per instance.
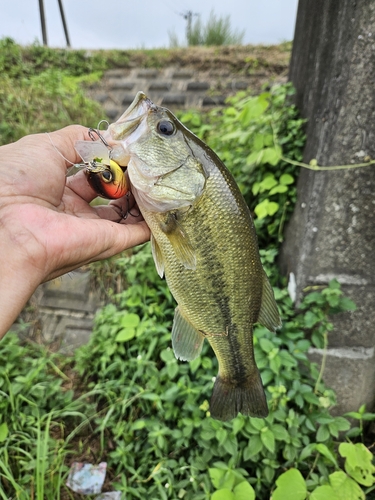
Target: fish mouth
column 131, row 118
column 128, row 128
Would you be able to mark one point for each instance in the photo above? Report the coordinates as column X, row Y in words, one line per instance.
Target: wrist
column 18, row 279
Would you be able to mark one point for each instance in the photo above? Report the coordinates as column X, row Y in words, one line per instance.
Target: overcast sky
column 124, row 24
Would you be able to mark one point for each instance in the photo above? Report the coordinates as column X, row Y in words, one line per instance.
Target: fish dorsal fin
column 158, row 257
column 187, row 342
column 179, row 240
column 268, row 314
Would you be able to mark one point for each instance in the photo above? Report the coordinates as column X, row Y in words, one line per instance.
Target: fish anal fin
column 179, row 240
column 187, row 342
column 158, row 257
column 268, row 314
column 228, row 398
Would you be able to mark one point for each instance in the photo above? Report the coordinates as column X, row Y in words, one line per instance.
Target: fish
column 204, row 242
column 104, row 174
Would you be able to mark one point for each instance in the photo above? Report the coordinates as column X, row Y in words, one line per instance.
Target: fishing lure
column 104, row 175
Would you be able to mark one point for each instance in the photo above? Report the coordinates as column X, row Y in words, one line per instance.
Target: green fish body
column 204, row 241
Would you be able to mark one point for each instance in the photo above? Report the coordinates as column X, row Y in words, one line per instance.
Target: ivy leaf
column 358, row 463
column 223, row 494
column 325, row 492
column 344, row 487
column 291, row 486
column 244, row 491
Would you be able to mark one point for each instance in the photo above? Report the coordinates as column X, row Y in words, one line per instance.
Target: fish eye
column 166, row 127
column 107, row 176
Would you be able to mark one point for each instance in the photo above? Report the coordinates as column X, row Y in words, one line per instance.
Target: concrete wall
column 332, row 231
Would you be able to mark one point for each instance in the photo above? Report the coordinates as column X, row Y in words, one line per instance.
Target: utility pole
column 44, row 26
column 43, row 22
column 188, row 16
column 64, row 23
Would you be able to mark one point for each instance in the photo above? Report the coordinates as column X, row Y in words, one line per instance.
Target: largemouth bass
column 204, row 241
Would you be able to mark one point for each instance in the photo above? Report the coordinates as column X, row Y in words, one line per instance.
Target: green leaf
column 347, row 304
column 268, row 439
column 323, row 433
column 261, row 210
column 221, row 435
column 266, row 345
column 216, row 476
column 323, row 450
column 358, row 463
column 258, row 142
column 278, row 189
column 325, row 492
column 310, row 319
column 268, row 183
column 238, row 424
column 253, row 448
column 255, row 158
column 138, row 424
column 4, row 431
column 280, row 433
column 125, row 334
column 286, row 179
column 344, row 487
column 244, row 491
column 254, row 107
column 272, row 208
column 223, row 494
column 130, row 320
column 307, row 451
column 290, row 486
column 222, row 478
column 271, row 155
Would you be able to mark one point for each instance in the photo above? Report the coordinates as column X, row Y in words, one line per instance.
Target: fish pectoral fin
column 158, row 257
column 179, row 240
column 268, row 314
column 187, row 342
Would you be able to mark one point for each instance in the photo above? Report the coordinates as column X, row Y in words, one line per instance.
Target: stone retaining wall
column 175, row 88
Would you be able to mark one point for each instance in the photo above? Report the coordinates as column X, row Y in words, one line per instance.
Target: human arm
column 47, row 227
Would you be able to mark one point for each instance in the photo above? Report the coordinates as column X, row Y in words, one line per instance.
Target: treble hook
column 125, row 213
column 94, row 132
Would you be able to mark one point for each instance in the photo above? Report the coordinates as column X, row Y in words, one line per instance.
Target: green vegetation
column 43, row 92
column 217, row 31
column 125, row 399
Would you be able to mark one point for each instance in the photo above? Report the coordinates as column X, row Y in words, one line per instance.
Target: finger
column 79, row 185
column 64, row 140
column 114, row 238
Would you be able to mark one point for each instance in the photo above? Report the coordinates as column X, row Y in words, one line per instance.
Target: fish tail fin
column 228, row 398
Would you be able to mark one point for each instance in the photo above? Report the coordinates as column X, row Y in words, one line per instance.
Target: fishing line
column 59, row 152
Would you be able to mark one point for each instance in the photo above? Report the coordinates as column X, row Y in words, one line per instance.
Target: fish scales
column 204, row 241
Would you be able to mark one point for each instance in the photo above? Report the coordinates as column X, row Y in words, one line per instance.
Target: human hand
column 47, row 227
